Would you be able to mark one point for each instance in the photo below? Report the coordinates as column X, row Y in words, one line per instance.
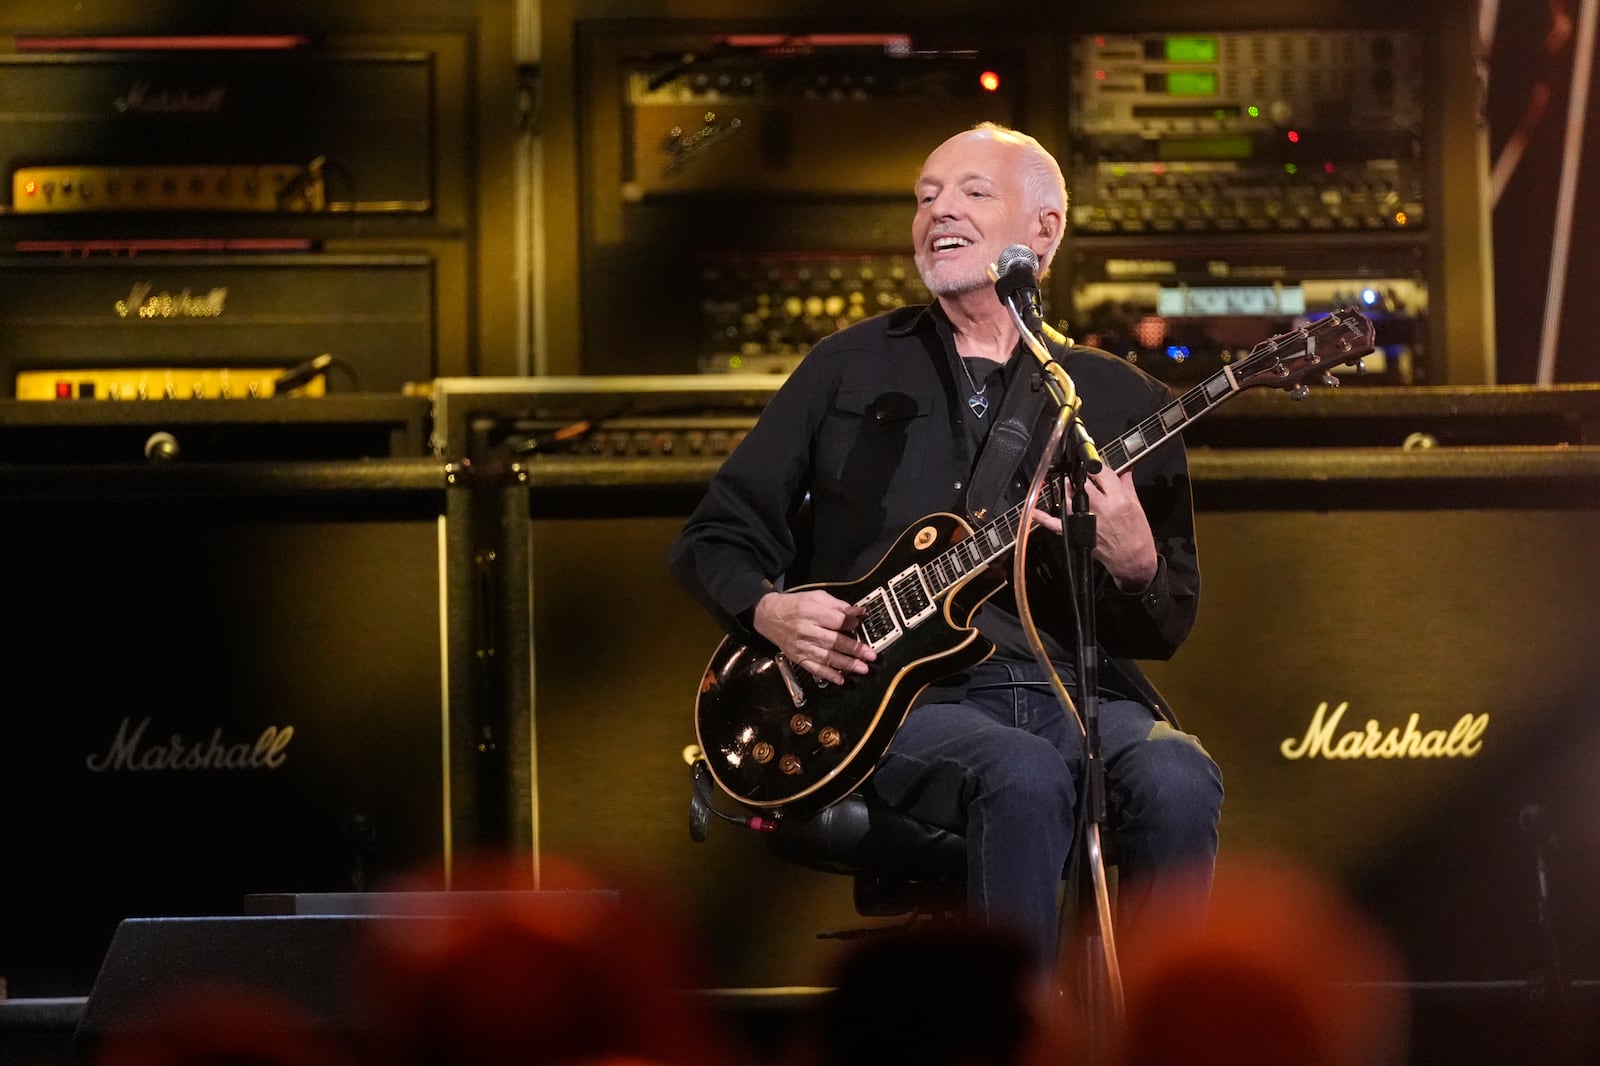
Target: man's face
column 970, row 207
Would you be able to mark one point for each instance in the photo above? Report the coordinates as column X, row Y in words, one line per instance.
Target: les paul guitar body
column 779, row 741
column 776, row 737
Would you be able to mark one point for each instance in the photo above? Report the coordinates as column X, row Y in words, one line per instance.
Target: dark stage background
column 461, row 608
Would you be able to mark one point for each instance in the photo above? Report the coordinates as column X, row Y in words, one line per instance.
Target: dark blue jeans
column 1004, row 768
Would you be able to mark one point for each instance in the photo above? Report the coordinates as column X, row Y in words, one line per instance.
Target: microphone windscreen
column 1018, row 255
column 1016, row 277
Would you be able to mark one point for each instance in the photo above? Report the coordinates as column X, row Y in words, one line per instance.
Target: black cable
column 302, row 374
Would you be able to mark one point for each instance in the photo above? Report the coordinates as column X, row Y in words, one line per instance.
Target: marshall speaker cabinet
column 1392, row 662
column 221, row 679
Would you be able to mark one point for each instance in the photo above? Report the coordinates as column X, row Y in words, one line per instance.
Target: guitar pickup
column 912, row 601
column 878, row 628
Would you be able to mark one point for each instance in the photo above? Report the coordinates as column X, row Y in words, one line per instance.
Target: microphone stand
column 1080, row 528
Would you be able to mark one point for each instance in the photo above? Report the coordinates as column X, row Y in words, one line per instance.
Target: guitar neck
column 992, row 540
column 1169, row 421
column 1282, row 361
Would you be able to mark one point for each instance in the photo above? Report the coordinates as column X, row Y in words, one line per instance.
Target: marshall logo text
column 1323, row 740
column 130, row 752
column 142, row 304
column 147, row 98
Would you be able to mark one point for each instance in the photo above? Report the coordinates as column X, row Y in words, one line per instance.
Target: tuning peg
column 1329, row 380
column 1300, row 391
column 1361, row 368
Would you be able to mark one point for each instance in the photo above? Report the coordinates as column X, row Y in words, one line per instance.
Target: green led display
column 1219, row 147
column 1192, row 82
column 1191, row 49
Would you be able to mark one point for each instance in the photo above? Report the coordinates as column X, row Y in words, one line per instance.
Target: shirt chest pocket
column 873, row 434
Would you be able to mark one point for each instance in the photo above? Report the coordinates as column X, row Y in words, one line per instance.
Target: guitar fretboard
column 993, row 539
column 1268, row 362
column 1167, row 422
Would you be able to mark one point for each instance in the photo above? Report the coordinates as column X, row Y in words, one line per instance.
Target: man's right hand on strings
column 815, row 631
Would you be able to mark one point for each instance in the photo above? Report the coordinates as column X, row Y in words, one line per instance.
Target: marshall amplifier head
column 220, row 125
column 171, row 327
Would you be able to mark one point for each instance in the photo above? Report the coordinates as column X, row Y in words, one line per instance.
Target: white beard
column 950, row 280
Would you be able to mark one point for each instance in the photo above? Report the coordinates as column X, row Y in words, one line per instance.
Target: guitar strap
column 999, row 462
column 1008, row 441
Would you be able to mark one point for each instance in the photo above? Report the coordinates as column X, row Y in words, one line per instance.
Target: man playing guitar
column 883, row 423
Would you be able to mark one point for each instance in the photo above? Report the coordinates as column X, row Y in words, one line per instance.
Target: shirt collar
column 908, row 320
column 932, row 317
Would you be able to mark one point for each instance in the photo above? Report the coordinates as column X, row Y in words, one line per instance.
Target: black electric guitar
column 778, row 740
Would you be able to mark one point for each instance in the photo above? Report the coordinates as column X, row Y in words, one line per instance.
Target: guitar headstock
column 1288, row 359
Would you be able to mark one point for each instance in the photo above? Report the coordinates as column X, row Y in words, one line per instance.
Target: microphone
column 1017, row 284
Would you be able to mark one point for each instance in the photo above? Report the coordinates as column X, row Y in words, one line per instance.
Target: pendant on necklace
column 979, row 403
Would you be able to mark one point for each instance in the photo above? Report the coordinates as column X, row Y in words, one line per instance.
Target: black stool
column 899, row 865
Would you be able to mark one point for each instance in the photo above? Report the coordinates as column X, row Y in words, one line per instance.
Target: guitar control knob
column 801, row 724
column 762, row 752
column 828, row 737
column 789, row 764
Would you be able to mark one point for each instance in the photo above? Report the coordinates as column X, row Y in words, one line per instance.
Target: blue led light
column 1178, row 352
column 1369, row 296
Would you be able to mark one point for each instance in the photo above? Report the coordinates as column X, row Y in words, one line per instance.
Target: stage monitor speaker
column 292, row 973
column 353, row 977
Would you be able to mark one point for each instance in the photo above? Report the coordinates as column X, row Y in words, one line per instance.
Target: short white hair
column 1042, row 181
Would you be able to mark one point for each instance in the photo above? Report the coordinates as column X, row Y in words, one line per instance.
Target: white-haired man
column 882, row 424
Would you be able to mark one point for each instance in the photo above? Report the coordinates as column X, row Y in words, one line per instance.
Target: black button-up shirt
column 872, row 432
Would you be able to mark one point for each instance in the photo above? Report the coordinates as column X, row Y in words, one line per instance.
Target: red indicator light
column 1328, row 168
column 1294, row 137
column 63, row 390
column 1099, row 75
column 989, row 80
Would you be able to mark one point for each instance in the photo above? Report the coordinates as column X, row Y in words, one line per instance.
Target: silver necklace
column 977, row 401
